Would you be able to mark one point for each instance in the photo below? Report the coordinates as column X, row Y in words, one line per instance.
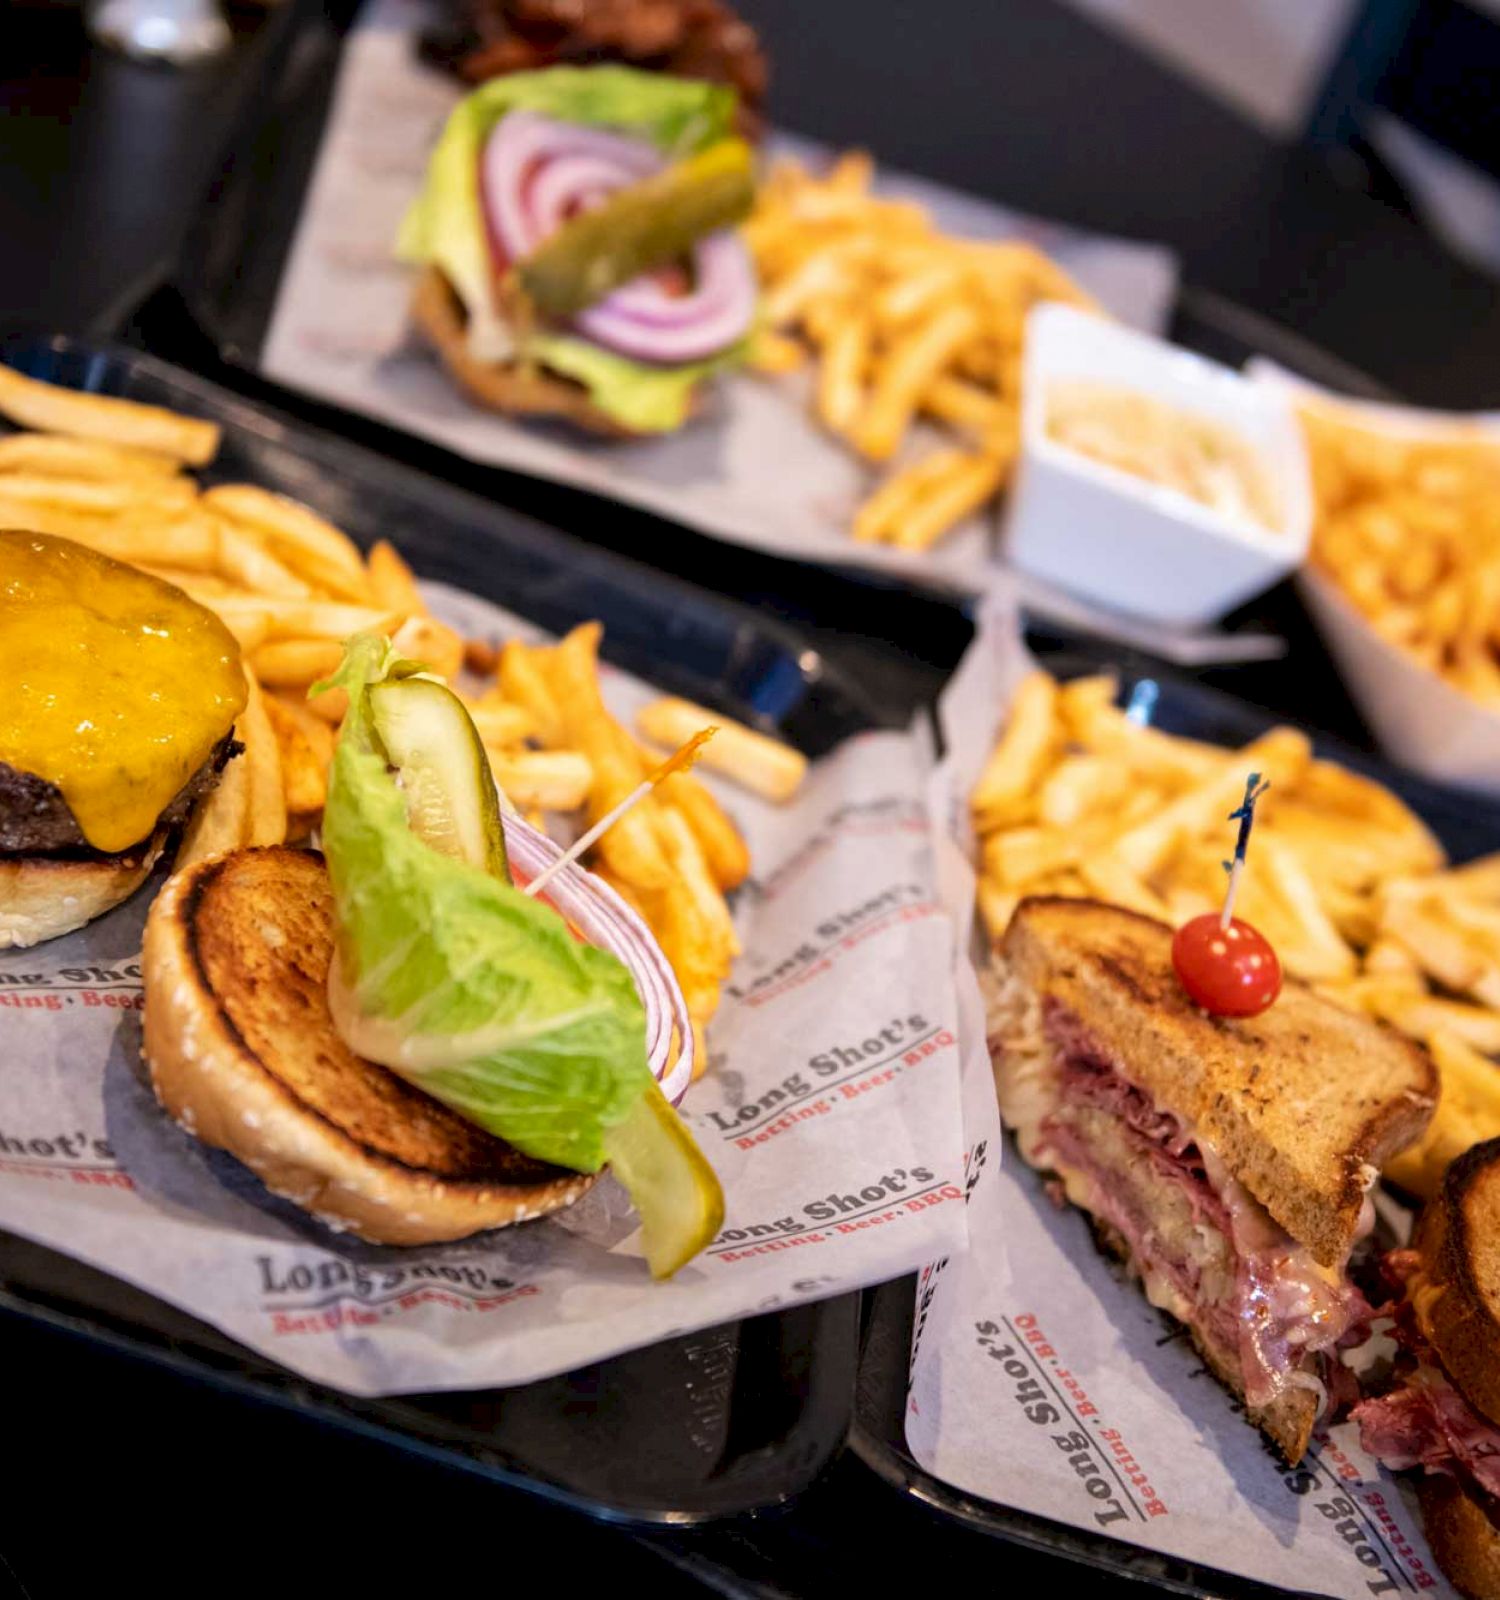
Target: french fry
column 304, row 776
column 943, row 505
column 693, row 876
column 552, row 780
column 1015, row 767
column 246, row 562
column 1280, row 756
column 907, row 373
column 391, row 581
column 846, row 352
column 312, row 547
column 265, row 821
column 437, row 646
column 99, row 496
column 304, row 619
column 221, row 820
column 995, row 907
column 723, row 845
column 522, row 679
column 50, row 409
column 500, row 723
column 59, row 456
column 295, row 663
column 316, row 730
column 755, row 761
column 631, row 847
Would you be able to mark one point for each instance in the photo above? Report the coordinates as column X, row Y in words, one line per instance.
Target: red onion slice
column 536, row 173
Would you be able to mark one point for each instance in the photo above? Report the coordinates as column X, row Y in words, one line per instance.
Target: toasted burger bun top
column 243, row 1053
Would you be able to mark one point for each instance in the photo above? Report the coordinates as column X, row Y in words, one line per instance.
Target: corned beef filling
column 1424, row 1421
column 1274, row 1312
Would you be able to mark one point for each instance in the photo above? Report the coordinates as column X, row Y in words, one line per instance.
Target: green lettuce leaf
column 445, row 225
column 434, row 948
column 642, row 398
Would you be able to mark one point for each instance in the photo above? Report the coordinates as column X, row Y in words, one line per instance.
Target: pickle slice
column 669, row 1179
column 638, row 229
column 445, row 775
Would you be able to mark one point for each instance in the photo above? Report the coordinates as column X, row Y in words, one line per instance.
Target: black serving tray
column 1466, row 824
column 695, row 1428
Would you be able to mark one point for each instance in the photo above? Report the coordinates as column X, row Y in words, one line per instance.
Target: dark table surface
column 102, row 165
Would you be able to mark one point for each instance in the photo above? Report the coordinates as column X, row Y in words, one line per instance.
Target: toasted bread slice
column 243, row 1053
column 1457, row 1300
column 1302, row 1104
column 43, row 897
column 1463, row 1539
column 513, row 389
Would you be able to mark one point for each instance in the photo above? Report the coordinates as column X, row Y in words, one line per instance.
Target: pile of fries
column 292, row 587
column 907, row 324
column 1410, row 531
column 1346, row 882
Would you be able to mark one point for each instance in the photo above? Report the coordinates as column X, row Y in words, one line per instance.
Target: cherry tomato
column 1231, row 972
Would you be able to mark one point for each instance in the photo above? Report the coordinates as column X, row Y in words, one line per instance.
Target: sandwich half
column 1227, row 1162
column 1441, row 1411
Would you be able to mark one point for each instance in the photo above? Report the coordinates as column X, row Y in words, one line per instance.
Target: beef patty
column 35, row 819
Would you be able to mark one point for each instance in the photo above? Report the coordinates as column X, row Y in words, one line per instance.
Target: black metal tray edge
column 831, row 1322
column 238, row 1371
column 877, row 1437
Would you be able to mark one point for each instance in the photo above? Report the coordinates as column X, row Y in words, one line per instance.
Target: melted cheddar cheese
column 117, row 686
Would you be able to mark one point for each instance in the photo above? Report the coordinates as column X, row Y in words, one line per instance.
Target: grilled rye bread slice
column 1302, row 1104
column 1457, row 1301
column 243, row 1053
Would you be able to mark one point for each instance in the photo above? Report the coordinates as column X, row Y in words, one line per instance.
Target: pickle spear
column 443, row 771
column 669, row 1181
column 646, row 226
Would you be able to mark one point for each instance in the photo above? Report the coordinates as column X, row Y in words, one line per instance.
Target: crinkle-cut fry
column 766, row 766
column 246, row 561
column 433, row 643
column 295, row 663
column 631, row 847
column 723, row 844
column 52, row 409
column 57, row 455
column 392, row 582
column 1280, row 756
column 906, row 372
column 304, row 773
column 1021, row 756
column 311, row 545
column 942, row 506
column 522, row 677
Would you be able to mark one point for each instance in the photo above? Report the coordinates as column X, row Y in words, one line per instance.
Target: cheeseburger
column 120, row 697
